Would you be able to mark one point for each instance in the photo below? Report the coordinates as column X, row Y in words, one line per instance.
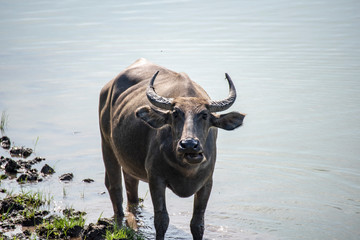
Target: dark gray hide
column 163, row 134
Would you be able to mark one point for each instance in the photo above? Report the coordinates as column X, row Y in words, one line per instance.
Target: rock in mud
column 5, row 142
column 27, row 177
column 11, row 166
column 71, row 212
column 66, row 177
column 88, row 180
column 2, row 160
column 8, row 226
column 105, row 222
column 27, row 233
column 34, row 220
column 8, row 205
column 74, row 232
column 37, row 160
column 31, row 221
column 97, row 231
column 28, row 163
column 46, row 170
column 20, row 152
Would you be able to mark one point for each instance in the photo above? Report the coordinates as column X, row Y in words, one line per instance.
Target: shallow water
column 291, row 172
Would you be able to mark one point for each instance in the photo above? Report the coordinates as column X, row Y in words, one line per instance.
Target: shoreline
column 28, row 215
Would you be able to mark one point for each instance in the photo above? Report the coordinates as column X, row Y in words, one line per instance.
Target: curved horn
column 155, row 99
column 218, row 106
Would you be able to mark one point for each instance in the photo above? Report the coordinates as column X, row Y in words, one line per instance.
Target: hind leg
column 113, row 181
column 131, row 185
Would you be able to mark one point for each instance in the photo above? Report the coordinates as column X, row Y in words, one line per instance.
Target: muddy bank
column 25, row 212
column 28, row 215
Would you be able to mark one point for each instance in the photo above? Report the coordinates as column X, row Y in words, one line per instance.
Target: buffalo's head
column 190, row 119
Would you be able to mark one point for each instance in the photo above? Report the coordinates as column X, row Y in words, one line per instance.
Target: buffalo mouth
column 194, row 158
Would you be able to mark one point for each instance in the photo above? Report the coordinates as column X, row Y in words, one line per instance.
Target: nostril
column 183, row 144
column 196, row 144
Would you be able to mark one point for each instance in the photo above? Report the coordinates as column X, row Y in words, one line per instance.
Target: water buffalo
column 164, row 134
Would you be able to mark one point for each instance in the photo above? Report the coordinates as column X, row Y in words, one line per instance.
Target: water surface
column 291, row 172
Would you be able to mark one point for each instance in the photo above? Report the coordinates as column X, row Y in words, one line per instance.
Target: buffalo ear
column 154, row 118
column 228, row 121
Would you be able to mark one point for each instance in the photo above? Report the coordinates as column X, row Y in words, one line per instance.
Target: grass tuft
column 61, row 225
column 122, row 233
column 29, row 199
column 3, row 121
column 36, row 142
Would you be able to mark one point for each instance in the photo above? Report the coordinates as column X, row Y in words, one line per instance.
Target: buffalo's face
column 190, row 119
column 190, row 122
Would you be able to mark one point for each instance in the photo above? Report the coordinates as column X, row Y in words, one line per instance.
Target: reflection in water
column 292, row 170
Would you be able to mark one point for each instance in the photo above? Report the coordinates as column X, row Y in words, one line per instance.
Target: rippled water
column 291, row 172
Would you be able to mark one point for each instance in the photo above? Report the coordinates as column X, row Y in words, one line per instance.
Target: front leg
column 200, row 203
column 161, row 217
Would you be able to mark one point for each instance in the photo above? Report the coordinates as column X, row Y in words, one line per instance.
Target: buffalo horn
column 155, row 99
column 222, row 105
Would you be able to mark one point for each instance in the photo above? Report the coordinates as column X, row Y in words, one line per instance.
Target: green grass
column 64, row 192
column 3, row 121
column 69, row 222
column 5, row 216
column 123, row 233
column 13, row 238
column 63, row 224
column 56, row 227
column 30, row 199
column 2, row 177
column 36, row 142
column 28, row 213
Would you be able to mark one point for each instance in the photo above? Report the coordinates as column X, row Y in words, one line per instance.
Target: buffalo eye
column 205, row 116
